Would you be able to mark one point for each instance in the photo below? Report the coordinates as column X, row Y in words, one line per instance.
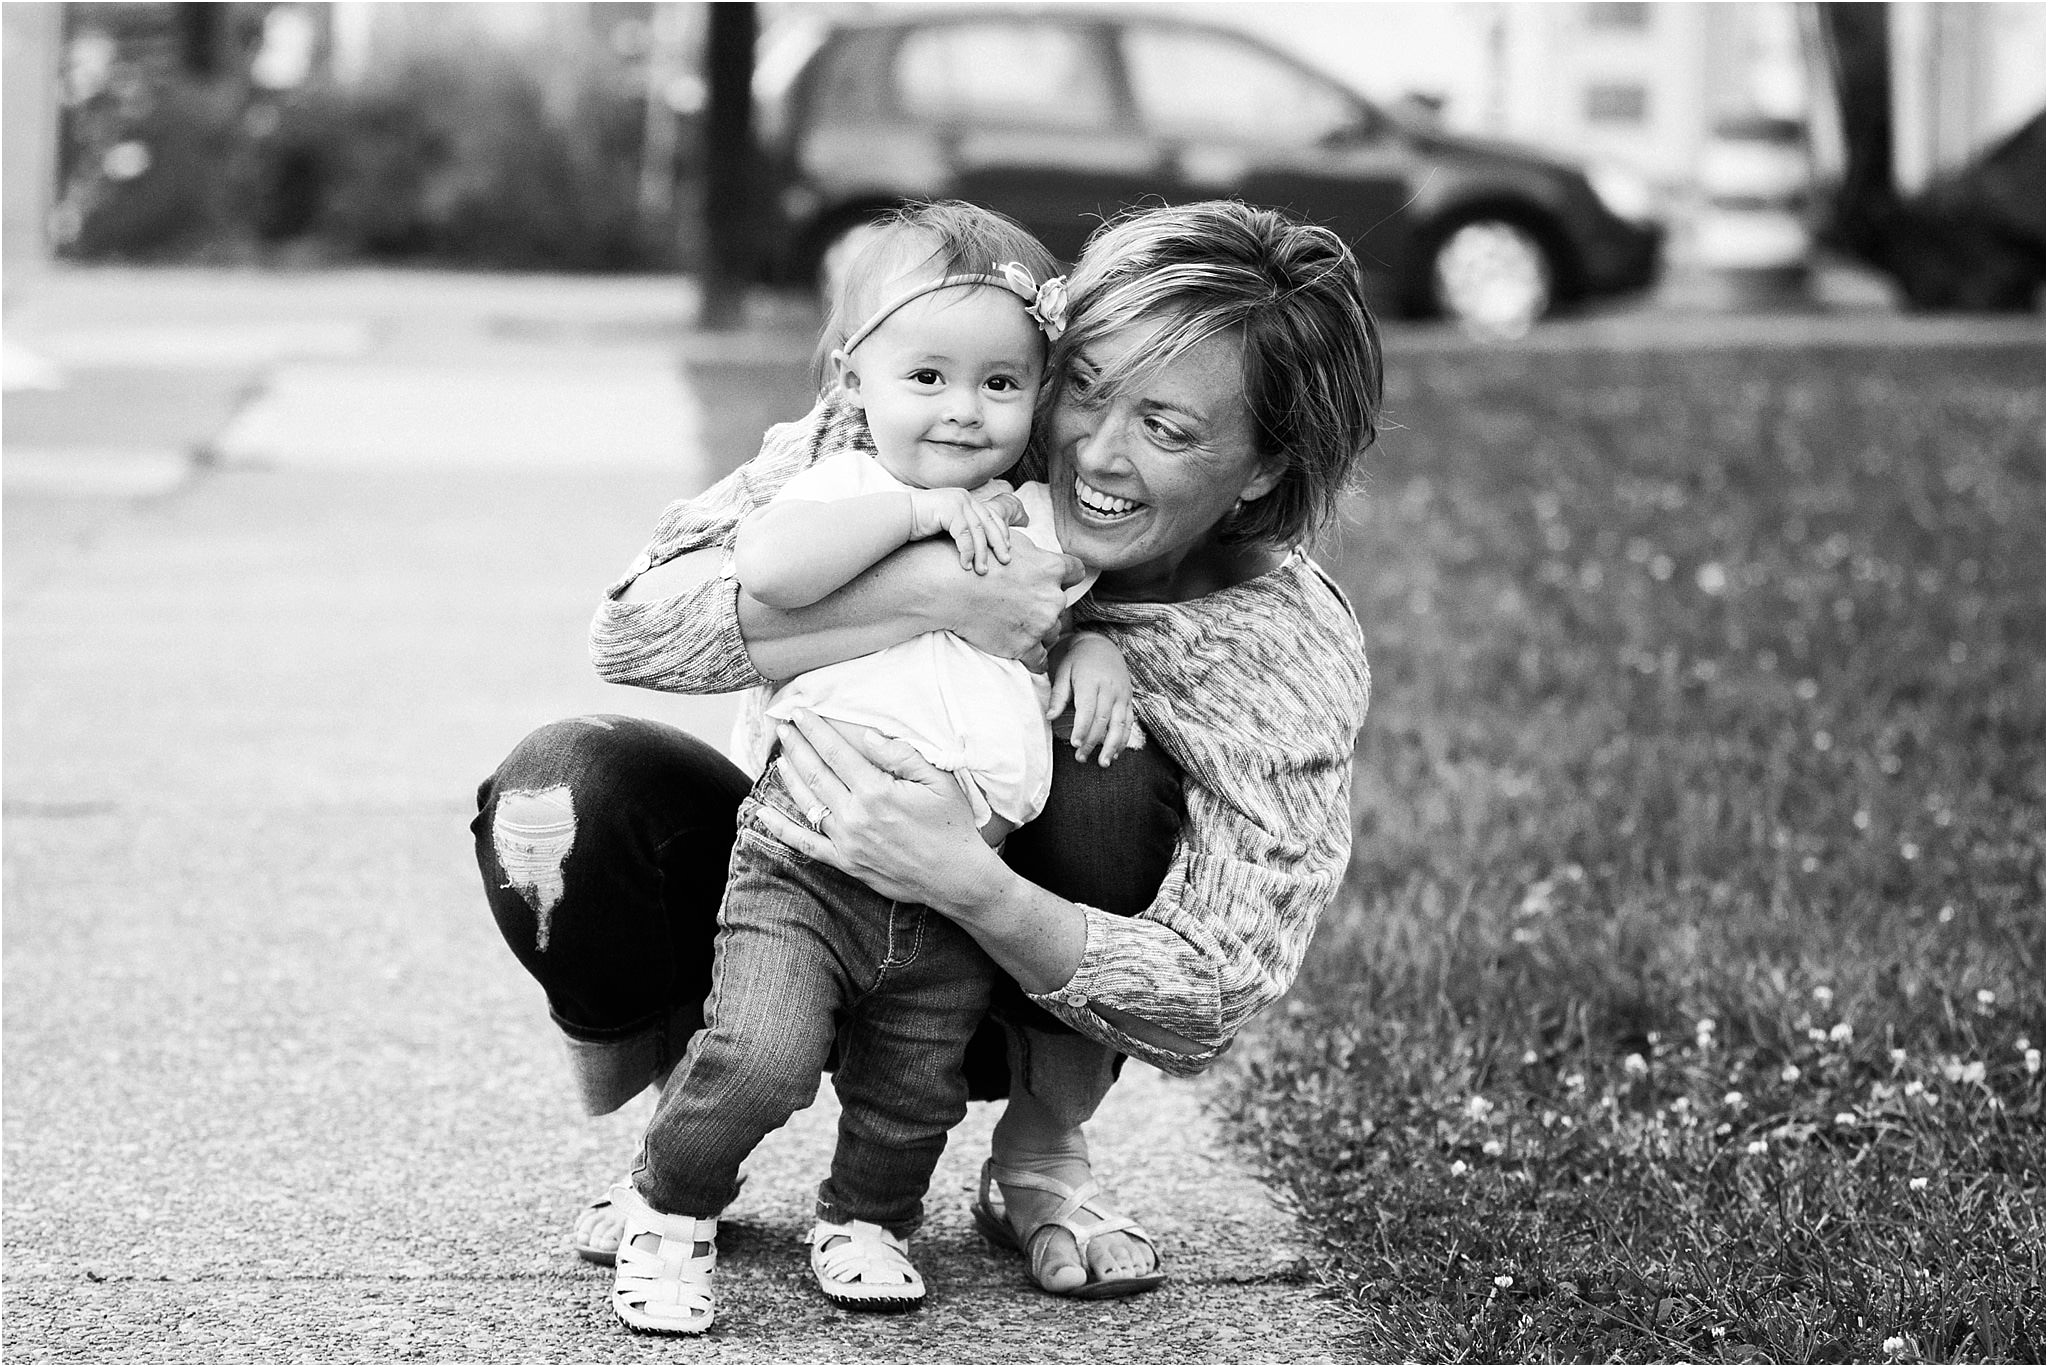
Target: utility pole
column 728, row 162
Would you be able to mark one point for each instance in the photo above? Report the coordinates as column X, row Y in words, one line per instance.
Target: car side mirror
column 1364, row 127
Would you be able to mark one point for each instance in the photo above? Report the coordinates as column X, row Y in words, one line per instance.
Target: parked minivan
column 1061, row 115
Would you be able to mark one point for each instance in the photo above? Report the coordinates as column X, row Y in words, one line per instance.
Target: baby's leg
column 899, row 1079
column 769, row 1024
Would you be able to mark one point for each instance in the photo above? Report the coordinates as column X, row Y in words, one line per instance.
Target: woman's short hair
column 919, row 243
column 1292, row 292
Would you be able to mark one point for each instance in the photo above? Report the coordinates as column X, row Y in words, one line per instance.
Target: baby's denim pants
column 807, row 957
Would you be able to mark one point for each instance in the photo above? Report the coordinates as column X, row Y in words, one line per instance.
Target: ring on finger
column 815, row 816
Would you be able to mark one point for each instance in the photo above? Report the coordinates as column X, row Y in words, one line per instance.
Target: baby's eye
column 1003, row 384
column 925, row 377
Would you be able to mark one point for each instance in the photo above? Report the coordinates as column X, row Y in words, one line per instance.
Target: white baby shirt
column 978, row 717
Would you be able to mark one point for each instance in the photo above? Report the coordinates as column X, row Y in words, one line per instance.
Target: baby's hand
column 1090, row 670
column 980, row 528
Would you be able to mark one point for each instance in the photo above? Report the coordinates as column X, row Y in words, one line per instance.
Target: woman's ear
column 1262, row 481
column 847, row 378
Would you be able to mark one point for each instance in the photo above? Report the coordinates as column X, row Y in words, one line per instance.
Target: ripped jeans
column 605, row 841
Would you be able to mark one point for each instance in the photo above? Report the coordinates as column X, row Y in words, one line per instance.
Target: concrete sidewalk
column 289, row 565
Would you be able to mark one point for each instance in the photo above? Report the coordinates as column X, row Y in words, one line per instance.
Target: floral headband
column 1046, row 303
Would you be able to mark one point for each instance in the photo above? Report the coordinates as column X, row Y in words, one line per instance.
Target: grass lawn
column 1685, row 998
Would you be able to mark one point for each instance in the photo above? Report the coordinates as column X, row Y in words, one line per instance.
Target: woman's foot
column 1075, row 1242
column 598, row 1228
column 1034, row 1141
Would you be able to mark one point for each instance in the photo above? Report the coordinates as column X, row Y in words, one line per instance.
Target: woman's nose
column 1100, row 446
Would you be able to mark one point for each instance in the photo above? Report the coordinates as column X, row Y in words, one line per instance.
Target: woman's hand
column 1013, row 611
column 887, row 817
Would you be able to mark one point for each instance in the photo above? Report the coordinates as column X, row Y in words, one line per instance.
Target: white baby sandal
column 860, row 1266
column 665, row 1262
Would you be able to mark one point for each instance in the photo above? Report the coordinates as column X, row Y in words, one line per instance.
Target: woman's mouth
column 1107, row 507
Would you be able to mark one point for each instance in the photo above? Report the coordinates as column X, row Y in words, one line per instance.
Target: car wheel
column 838, row 253
column 1491, row 277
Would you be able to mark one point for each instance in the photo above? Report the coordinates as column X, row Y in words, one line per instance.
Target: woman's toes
column 1057, row 1265
column 1116, row 1256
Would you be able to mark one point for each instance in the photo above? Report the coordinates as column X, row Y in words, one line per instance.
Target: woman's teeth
column 1099, row 503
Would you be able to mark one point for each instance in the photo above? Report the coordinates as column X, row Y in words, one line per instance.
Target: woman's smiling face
column 1141, row 479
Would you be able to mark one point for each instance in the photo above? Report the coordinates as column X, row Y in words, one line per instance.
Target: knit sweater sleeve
column 1260, row 700
column 691, row 643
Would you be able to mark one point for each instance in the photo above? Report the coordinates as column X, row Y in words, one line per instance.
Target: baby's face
column 948, row 384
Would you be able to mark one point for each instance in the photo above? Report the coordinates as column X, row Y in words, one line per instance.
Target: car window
column 843, row 84
column 1193, row 84
column 1045, row 75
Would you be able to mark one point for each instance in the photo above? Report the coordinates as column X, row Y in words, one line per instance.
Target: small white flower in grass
column 1810, row 864
column 1478, row 1108
column 1917, row 1184
column 1915, row 1087
column 1575, row 1080
column 1845, row 1117
column 2022, row 1044
column 1503, row 1281
column 1732, row 1099
column 1756, row 1148
column 1842, row 1033
column 1908, row 850
column 1493, row 1148
column 2033, row 1062
column 1723, row 1128
column 1680, row 1104
column 1636, row 1064
column 1945, row 915
column 1458, row 1168
column 1986, row 997
column 1529, row 1058
column 1898, row 1058
column 1861, row 819
column 1822, row 741
column 1973, row 1071
column 1789, row 1073
column 1816, row 1034
column 1823, row 994
column 1894, row 1346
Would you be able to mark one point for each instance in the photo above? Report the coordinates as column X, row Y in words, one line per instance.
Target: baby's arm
column 795, row 551
column 1090, row 669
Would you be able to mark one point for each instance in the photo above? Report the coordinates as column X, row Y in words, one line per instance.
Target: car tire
column 1490, row 275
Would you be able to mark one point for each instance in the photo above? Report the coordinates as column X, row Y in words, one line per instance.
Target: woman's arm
column 901, row 827
column 677, row 623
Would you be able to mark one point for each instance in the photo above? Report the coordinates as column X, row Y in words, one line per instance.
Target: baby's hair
column 919, row 243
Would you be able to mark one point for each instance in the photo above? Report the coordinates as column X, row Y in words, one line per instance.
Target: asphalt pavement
column 289, row 563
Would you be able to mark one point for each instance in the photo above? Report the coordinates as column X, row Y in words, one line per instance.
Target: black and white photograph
column 1408, row 638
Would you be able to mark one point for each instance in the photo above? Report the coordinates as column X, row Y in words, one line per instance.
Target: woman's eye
column 1080, row 383
column 1165, row 434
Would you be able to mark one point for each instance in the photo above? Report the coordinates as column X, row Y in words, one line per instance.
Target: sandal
column 1074, row 1202
column 868, row 1269
column 665, row 1289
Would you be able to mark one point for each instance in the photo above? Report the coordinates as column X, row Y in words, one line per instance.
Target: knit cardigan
column 1257, row 691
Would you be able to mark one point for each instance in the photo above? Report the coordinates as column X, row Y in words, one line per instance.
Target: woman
column 1217, row 384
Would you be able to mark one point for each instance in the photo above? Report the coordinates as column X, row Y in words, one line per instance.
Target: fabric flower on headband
column 1046, row 303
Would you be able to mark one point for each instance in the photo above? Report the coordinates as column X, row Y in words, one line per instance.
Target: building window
column 1618, row 15
column 1617, row 103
